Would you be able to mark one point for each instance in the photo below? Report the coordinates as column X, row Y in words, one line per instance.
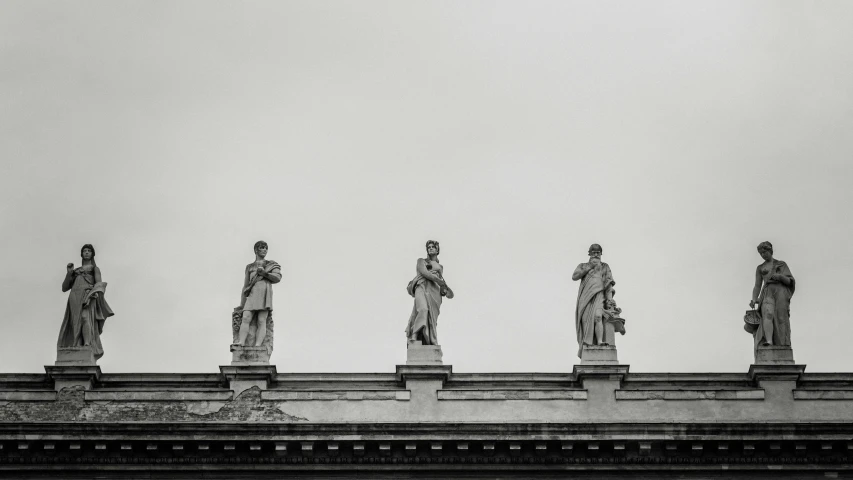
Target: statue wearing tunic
column 253, row 318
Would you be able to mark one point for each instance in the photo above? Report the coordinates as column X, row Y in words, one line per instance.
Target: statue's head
column 261, row 248
column 765, row 249
column 87, row 252
column 595, row 250
column 432, row 244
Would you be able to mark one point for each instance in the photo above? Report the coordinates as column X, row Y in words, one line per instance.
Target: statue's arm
column 448, row 292
column 97, row 275
column 422, row 271
column 785, row 277
column 756, row 290
column 445, row 287
column 243, row 290
column 274, row 276
column 420, row 267
column 608, row 289
column 580, row 272
column 69, row 280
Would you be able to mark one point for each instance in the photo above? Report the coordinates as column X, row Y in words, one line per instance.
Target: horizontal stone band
column 164, row 396
column 403, row 395
column 823, row 394
column 512, row 394
column 690, row 394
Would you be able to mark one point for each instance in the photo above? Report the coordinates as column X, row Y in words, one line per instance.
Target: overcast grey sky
column 678, row 135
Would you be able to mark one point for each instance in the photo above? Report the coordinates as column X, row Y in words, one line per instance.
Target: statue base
column 420, row 354
column 67, row 376
column 73, row 356
column 243, row 377
column 774, row 355
column 244, row 355
column 599, row 355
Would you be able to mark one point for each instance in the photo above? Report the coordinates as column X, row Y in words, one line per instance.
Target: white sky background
column 173, row 135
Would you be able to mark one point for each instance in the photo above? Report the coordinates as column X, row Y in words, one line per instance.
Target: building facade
column 424, row 421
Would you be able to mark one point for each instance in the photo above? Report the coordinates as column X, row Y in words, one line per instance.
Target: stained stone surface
column 72, row 405
column 241, row 355
column 75, row 356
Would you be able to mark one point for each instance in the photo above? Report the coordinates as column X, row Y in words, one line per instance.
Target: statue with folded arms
column 87, row 309
column 256, row 300
column 428, row 287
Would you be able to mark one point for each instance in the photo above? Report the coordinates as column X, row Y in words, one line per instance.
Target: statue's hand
column 752, row 304
column 70, row 267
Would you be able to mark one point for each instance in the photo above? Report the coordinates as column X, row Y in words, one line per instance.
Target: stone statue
column 596, row 314
column 255, row 311
column 80, row 334
column 774, row 287
column 427, row 287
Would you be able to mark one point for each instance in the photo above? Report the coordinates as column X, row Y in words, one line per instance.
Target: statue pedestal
column 774, row 355
column 244, row 355
column 599, row 355
column 243, row 377
column 66, row 376
column 75, row 356
column 419, row 354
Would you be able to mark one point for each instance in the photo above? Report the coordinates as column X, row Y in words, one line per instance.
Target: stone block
column 243, row 355
column 66, row 376
column 599, row 355
column 358, row 448
column 418, row 354
column 281, row 448
column 774, row 355
column 244, row 377
column 515, row 448
column 333, row 449
column 70, row 356
column 411, row 449
column 488, row 448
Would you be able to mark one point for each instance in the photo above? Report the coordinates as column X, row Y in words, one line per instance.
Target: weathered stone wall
column 426, row 420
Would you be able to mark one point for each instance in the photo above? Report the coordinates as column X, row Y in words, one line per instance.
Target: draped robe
column 774, row 303
column 591, row 295
column 424, row 318
column 86, row 309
